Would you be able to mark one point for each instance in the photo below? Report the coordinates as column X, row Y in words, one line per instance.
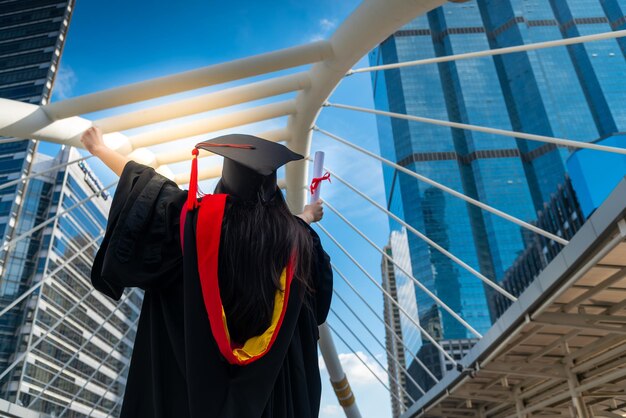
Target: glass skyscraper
column 67, row 346
column 563, row 216
column 595, row 173
column 73, row 344
column 575, row 92
column 32, row 36
column 399, row 288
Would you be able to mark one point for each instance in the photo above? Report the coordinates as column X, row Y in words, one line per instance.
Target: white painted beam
column 29, row 121
column 216, row 123
column 189, row 80
column 205, row 102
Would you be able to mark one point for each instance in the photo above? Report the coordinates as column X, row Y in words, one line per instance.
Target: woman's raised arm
column 93, row 142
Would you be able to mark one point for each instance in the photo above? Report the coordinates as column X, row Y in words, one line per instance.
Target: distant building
column 566, row 92
column 438, row 364
column 400, row 286
column 32, row 37
column 68, row 346
column 561, row 216
column 73, row 344
column 397, row 379
column 592, row 177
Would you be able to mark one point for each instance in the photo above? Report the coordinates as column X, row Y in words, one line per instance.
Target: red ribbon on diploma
column 315, row 183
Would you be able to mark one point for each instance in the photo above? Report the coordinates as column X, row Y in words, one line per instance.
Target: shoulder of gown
column 322, row 276
column 141, row 246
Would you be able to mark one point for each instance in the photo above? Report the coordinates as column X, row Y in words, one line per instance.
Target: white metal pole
column 423, row 237
column 497, row 51
column 402, row 368
column 365, row 364
column 484, row 129
column 338, row 378
column 391, row 299
column 417, row 283
column 204, row 173
column 177, row 156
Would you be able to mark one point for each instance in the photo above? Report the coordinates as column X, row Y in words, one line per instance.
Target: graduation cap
column 249, row 170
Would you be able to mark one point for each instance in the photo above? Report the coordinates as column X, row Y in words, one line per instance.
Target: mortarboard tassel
column 192, row 196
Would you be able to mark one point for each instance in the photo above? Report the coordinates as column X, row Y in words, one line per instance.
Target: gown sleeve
column 141, row 246
column 322, row 276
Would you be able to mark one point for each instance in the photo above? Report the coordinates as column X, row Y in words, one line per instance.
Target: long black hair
column 257, row 241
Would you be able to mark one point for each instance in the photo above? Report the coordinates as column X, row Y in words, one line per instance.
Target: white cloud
column 328, row 24
column 325, row 26
column 331, row 411
column 64, row 83
column 371, row 397
column 359, row 372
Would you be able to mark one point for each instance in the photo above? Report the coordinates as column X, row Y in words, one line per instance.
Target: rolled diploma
column 318, row 167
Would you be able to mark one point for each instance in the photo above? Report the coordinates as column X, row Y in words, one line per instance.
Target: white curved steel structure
column 368, row 25
column 371, row 23
column 329, row 62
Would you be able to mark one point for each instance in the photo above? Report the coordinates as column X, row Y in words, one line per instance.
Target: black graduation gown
column 176, row 368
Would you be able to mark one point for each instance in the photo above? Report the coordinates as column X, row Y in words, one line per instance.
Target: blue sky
column 114, row 43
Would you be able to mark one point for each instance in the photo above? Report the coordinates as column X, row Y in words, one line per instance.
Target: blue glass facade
column 66, row 310
column 562, row 216
column 32, row 34
column 30, row 49
column 47, row 373
column 568, row 92
column 595, row 174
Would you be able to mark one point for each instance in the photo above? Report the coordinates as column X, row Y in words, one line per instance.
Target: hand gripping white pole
column 338, row 378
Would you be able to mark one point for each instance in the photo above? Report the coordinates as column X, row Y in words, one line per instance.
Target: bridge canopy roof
column 564, row 337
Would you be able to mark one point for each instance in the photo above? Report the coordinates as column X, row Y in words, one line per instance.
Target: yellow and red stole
column 208, row 232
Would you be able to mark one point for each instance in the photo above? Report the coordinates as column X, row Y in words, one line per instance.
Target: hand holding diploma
column 314, row 212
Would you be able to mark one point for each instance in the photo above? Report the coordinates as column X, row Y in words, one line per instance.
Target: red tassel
column 192, row 196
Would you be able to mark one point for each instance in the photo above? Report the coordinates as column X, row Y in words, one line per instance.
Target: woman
column 228, row 326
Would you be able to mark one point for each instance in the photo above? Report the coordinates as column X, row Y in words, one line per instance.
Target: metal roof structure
column 560, row 350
